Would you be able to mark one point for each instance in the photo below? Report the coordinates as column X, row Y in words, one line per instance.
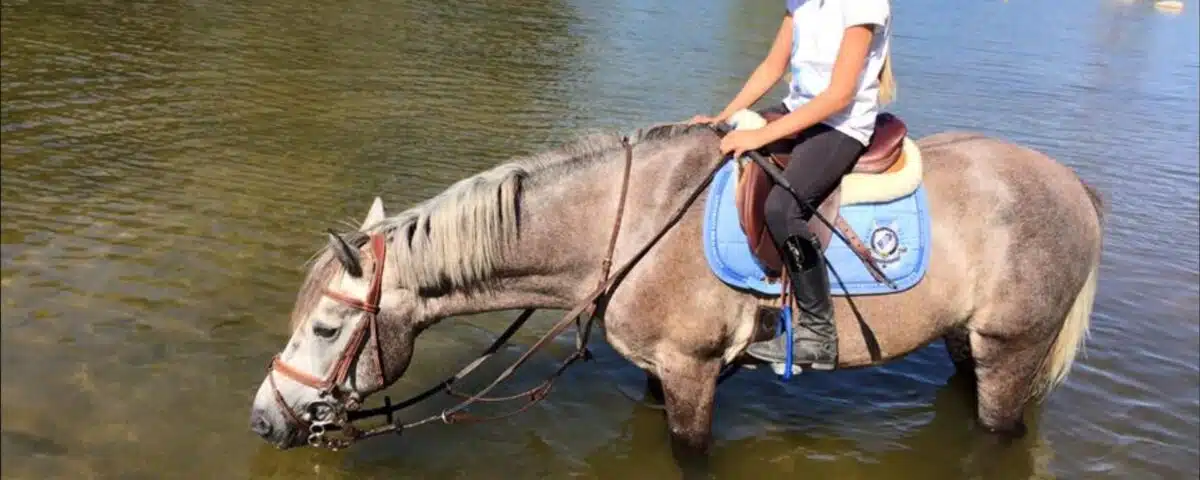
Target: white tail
column 1071, row 337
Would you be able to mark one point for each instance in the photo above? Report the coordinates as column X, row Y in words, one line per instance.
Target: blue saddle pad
column 896, row 232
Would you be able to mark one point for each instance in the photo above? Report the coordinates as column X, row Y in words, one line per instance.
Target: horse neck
column 567, row 221
column 565, row 224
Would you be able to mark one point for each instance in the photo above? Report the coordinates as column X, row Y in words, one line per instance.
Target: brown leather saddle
column 883, row 155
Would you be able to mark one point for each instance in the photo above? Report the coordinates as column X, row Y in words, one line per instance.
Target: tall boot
column 814, row 336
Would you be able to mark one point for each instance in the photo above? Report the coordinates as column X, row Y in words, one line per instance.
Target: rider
column 838, row 53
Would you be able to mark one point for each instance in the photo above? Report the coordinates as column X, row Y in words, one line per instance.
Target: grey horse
column 1016, row 244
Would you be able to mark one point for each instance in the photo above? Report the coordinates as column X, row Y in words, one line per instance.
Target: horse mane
column 456, row 239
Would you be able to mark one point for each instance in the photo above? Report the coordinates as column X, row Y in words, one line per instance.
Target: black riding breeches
column 820, row 156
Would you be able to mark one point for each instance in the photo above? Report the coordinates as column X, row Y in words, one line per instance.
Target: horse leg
column 958, row 346
column 1006, row 369
column 689, row 386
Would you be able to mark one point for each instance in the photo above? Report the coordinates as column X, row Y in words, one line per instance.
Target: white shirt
column 818, row 27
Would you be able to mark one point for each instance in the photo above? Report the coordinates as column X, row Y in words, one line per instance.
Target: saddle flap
column 753, row 185
column 750, row 196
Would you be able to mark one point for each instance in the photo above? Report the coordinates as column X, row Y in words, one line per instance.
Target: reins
column 593, row 304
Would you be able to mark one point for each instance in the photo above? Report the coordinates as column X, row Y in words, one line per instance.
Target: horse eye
column 325, row 332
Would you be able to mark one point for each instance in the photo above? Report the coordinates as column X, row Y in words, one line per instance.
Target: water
column 169, row 166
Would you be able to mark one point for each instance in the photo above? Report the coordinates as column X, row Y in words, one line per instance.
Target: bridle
column 335, row 400
column 327, row 415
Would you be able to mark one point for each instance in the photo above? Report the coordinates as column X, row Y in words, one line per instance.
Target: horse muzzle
column 276, row 430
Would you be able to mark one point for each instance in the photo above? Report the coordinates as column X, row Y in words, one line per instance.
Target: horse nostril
column 259, row 424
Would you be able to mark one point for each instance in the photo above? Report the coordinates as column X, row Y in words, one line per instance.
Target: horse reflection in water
column 862, row 444
column 1016, row 240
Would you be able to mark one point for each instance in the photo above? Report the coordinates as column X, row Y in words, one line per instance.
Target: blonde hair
column 887, row 81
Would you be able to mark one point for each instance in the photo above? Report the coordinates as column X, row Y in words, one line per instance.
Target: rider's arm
column 766, row 74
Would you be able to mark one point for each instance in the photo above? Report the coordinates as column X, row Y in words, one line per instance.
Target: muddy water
column 169, row 166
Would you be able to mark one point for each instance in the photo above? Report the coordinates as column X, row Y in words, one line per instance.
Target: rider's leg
column 817, row 163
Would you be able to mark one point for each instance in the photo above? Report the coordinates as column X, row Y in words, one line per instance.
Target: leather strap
column 864, row 254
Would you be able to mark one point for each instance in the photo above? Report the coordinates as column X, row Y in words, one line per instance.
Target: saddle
column 884, row 154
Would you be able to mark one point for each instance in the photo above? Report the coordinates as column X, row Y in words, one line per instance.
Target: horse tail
column 1074, row 330
column 1098, row 203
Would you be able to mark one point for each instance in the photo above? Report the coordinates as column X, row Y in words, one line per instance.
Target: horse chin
column 275, row 428
column 293, row 438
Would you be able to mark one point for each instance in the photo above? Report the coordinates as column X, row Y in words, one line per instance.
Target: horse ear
column 375, row 214
column 346, row 254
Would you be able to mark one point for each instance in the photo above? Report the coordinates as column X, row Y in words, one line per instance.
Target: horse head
column 351, row 337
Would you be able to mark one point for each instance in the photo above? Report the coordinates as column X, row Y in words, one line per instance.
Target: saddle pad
column 896, row 232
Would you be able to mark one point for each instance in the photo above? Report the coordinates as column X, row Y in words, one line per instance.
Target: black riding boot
column 814, row 335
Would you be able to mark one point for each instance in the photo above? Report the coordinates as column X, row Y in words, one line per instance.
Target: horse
column 1011, row 246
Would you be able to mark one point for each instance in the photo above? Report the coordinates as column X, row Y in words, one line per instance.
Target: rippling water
column 169, row 166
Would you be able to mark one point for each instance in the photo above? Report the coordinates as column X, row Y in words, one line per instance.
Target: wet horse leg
column 958, row 347
column 689, row 387
column 1005, row 371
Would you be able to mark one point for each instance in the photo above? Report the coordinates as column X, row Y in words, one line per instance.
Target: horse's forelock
column 319, row 274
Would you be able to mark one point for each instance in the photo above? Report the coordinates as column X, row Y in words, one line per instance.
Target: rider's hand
column 738, row 142
column 705, row 119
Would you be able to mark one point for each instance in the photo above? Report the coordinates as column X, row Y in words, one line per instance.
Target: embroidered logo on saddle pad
column 885, row 242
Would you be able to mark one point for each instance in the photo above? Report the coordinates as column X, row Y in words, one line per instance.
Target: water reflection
column 938, row 432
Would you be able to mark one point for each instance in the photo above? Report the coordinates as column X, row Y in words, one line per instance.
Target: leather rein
column 339, row 407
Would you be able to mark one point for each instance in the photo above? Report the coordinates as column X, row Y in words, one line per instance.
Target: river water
column 168, row 166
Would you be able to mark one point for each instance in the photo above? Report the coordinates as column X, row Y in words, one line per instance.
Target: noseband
column 335, row 399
